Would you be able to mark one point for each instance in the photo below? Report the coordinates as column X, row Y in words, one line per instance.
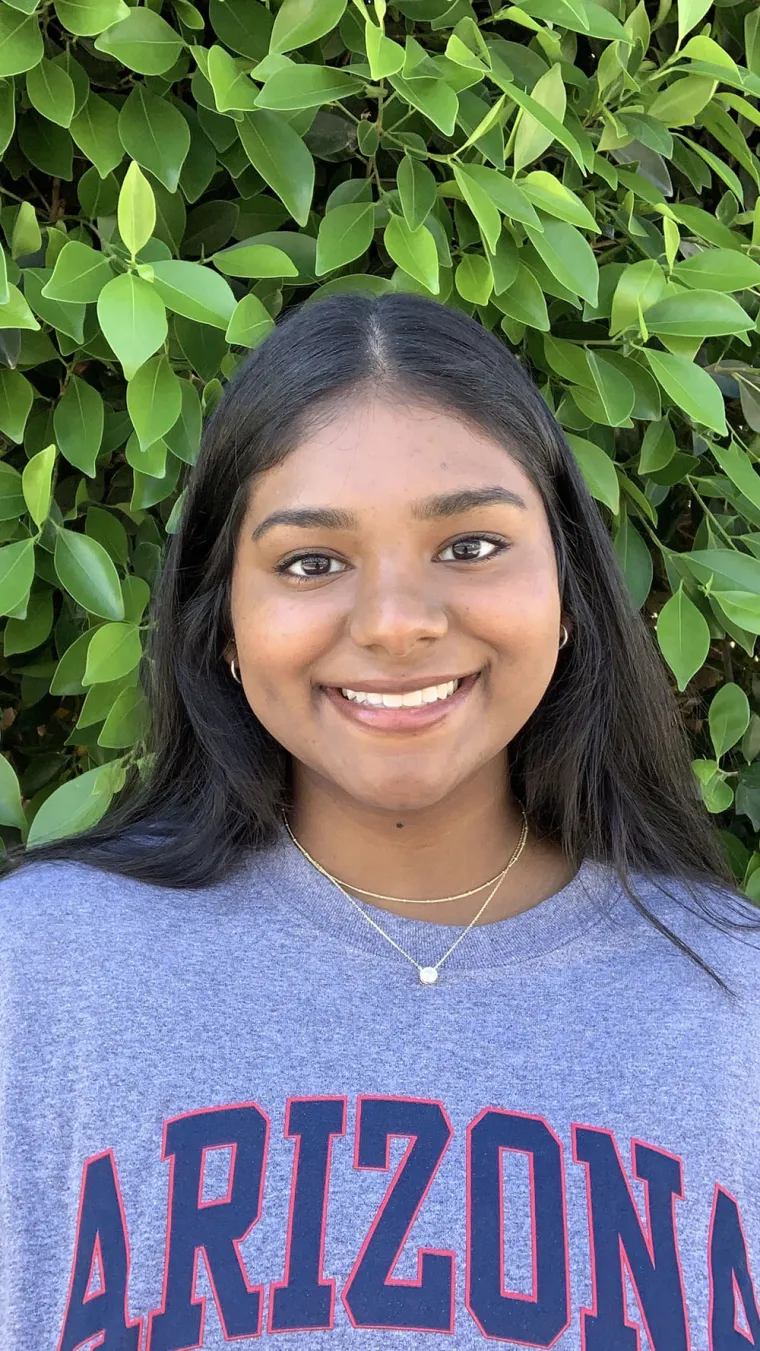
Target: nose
column 395, row 611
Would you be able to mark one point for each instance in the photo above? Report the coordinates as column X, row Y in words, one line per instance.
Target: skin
column 425, row 811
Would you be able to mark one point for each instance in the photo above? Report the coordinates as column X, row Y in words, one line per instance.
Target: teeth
column 410, row 699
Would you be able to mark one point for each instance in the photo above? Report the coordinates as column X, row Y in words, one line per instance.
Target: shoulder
column 720, row 926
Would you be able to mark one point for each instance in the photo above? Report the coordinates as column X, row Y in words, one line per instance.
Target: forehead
column 369, row 452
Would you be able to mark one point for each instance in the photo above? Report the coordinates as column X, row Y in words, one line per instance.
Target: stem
column 719, row 528
column 347, row 111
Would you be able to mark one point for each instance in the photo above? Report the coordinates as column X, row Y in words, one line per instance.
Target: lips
column 390, row 710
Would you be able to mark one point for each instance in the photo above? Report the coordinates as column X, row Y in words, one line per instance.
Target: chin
column 406, row 794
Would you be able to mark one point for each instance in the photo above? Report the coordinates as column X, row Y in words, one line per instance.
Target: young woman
column 406, row 991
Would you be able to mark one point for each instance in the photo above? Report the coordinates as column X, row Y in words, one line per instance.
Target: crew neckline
column 583, row 902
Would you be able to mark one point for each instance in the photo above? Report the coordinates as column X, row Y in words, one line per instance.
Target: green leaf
column 20, row 41
column 194, row 291
column 305, row 86
column 15, row 313
column 137, row 208
column 155, row 134
column 16, row 398
column 51, row 92
column 614, row 390
column 11, row 496
column 24, row 635
column 741, row 608
column 533, row 137
column 658, row 447
column 184, row 438
column 254, row 260
column 142, row 41
column 96, row 131
column 679, row 104
column 243, row 25
column 115, row 650
column 231, row 85
column 725, row 569
column 250, row 323
column 718, row 270
column 385, row 56
column 16, row 574
column 100, row 698
column 75, row 806
column 132, row 316
column 127, row 720
column 481, row 206
column 68, row 318
column 728, row 718
column 690, row 388
column 154, row 400
column 473, row 278
column 568, row 256
column 37, row 479
column 740, row 469
column 434, row 98
column 277, row 152
column 414, row 251
column 345, row 233
column 635, row 561
column 7, row 113
column 417, row 190
column 598, row 470
column 88, row 17
column 78, row 424
column 26, row 236
column 11, row 811
column 705, row 314
column 684, row 637
column 88, row 573
column 79, row 275
column 689, row 14
column 505, row 194
column 150, row 460
column 524, row 300
column 300, row 22
column 639, row 285
column 552, row 197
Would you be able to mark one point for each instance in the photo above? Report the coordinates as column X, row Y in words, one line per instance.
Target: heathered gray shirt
column 235, row 1114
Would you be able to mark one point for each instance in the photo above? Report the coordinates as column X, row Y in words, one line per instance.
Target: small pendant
column 428, row 975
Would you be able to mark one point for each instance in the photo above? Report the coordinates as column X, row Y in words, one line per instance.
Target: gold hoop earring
column 232, row 670
column 567, row 635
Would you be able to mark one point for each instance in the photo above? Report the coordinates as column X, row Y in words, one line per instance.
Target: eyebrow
column 427, row 509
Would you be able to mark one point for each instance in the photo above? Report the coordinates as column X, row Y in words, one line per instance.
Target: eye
column 472, row 549
column 305, row 566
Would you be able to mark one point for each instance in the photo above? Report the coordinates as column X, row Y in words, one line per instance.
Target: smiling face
column 395, row 604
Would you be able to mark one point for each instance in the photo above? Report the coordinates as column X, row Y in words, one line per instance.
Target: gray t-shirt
column 235, row 1113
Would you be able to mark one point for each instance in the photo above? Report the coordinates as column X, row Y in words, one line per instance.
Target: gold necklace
column 428, row 974
column 379, row 895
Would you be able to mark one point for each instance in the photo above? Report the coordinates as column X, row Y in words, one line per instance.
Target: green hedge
column 578, row 175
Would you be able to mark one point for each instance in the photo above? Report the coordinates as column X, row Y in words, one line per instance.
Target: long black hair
column 602, row 766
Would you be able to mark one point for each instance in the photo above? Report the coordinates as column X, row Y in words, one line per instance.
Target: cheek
column 280, row 635
column 519, row 612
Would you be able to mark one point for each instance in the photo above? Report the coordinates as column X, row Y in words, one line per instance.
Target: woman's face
column 396, row 554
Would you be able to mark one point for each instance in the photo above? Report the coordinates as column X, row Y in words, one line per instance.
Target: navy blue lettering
column 101, row 1244
column 729, row 1276
column 372, row 1299
column 213, row 1228
column 617, row 1235
column 540, row 1319
column 304, row 1301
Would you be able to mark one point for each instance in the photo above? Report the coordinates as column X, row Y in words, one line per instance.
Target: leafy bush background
column 577, row 173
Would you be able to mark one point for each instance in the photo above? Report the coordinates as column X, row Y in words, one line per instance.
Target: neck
column 448, row 847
